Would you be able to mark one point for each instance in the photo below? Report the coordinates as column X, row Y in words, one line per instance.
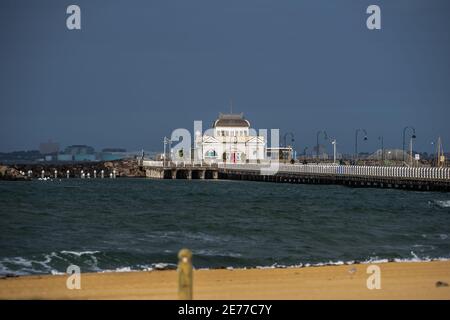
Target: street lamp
column 382, row 147
column 432, row 143
column 292, row 141
column 333, row 142
column 413, row 136
column 356, row 140
column 325, row 136
column 167, row 141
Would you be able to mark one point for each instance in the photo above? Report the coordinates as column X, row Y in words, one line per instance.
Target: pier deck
column 411, row 178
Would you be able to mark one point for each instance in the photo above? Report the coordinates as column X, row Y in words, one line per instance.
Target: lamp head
column 413, row 136
column 365, row 138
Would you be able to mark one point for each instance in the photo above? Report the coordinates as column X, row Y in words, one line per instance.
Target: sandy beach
column 406, row 280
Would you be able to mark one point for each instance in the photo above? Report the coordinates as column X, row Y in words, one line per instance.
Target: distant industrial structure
column 80, row 153
column 50, row 152
column 49, row 148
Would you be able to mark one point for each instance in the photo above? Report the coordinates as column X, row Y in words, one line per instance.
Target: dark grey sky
column 139, row 69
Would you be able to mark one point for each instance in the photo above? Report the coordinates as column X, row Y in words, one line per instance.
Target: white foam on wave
column 443, row 203
column 79, row 253
column 56, row 273
column 208, row 252
column 23, row 266
column 153, row 267
column 124, row 269
column 41, row 264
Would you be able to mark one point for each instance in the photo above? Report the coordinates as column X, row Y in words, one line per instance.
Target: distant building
column 79, row 149
column 114, row 150
column 231, row 141
column 79, row 153
column 84, row 157
column 64, row 157
column 20, row 156
column 49, row 147
column 111, row 154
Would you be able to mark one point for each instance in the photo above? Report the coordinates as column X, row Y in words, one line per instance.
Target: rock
column 9, row 173
column 441, row 284
column 3, row 170
column 124, row 168
column 108, row 164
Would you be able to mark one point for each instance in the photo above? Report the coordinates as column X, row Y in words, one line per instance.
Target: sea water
column 140, row 224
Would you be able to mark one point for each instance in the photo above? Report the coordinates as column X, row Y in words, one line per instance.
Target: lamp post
column 304, row 151
column 292, row 141
column 325, row 136
column 333, row 142
column 356, row 140
column 411, row 151
column 413, row 136
column 164, row 153
column 381, row 138
column 167, row 141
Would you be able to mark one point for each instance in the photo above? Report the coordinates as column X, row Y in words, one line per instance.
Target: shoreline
column 399, row 280
column 163, row 266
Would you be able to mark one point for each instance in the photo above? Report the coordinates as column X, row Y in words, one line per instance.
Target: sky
column 138, row 69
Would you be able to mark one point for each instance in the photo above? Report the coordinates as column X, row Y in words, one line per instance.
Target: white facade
column 230, row 140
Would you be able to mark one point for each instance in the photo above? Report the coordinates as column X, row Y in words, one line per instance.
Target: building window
column 211, row 154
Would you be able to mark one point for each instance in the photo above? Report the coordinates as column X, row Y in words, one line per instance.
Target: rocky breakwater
column 123, row 168
column 10, row 173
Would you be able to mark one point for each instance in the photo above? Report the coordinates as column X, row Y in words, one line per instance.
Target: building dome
column 231, row 120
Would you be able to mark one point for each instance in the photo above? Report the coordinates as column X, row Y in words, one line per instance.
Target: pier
column 409, row 178
column 180, row 170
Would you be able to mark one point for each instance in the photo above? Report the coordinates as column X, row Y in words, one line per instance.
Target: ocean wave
column 374, row 260
column 442, row 203
column 80, row 253
column 215, row 253
column 23, row 266
column 54, row 262
column 50, row 263
column 152, row 267
column 194, row 236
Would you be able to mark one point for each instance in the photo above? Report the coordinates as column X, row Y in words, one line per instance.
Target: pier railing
column 348, row 170
column 426, row 173
column 151, row 163
column 178, row 164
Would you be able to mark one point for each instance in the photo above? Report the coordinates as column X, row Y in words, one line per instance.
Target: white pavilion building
column 230, row 140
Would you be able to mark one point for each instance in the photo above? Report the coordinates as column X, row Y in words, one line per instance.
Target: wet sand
column 406, row 280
